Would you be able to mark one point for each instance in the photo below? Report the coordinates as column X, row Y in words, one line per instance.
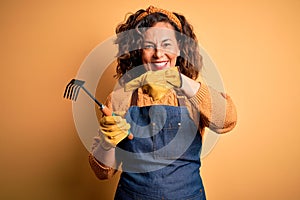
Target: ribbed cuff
column 200, row 95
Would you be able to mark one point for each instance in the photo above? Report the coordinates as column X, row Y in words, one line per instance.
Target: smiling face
column 160, row 48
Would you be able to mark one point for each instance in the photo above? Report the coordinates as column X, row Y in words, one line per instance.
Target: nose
column 158, row 53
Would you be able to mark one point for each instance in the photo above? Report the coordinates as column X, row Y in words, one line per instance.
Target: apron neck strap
column 181, row 99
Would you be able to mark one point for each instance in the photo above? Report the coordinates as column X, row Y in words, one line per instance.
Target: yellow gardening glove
column 113, row 129
column 156, row 83
column 155, row 91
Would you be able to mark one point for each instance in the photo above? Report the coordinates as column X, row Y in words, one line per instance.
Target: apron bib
column 163, row 159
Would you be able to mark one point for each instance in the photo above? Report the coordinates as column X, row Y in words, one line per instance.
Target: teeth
column 160, row 64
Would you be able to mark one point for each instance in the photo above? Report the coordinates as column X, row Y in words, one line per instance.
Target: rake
column 72, row 91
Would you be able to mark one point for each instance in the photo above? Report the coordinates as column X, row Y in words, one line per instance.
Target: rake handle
column 105, row 110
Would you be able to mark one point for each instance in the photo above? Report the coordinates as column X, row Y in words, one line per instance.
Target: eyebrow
column 165, row 40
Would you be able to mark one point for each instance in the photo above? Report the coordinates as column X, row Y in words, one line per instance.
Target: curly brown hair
column 130, row 37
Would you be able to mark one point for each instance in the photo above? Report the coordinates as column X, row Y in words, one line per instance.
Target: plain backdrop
column 254, row 44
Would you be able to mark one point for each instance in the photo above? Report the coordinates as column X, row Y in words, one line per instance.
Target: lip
column 159, row 64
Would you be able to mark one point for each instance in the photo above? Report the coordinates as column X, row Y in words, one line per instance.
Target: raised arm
column 217, row 110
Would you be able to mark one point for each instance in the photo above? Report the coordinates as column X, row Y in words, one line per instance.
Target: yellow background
column 254, row 43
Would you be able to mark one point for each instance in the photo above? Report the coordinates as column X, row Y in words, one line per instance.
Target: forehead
column 160, row 31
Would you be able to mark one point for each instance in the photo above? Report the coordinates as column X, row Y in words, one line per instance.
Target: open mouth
column 159, row 65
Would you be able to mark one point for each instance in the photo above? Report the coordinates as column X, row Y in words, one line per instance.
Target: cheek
column 173, row 59
column 146, row 57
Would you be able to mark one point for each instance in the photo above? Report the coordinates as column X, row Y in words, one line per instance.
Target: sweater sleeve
column 101, row 171
column 217, row 110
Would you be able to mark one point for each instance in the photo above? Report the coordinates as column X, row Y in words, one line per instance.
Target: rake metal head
column 72, row 89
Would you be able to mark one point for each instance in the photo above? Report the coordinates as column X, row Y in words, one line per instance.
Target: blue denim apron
column 163, row 159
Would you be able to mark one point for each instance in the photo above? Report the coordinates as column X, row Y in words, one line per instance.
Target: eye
column 148, row 46
column 166, row 45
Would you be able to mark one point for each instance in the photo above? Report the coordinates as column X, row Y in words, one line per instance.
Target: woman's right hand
column 156, row 83
column 112, row 130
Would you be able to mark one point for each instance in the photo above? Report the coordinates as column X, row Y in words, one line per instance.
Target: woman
column 167, row 111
